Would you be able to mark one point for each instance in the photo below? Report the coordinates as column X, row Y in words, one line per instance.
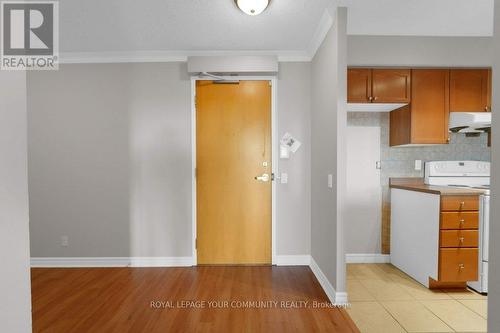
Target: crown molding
column 120, row 57
column 169, row 56
column 324, row 25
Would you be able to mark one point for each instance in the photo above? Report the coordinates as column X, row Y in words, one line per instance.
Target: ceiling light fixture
column 252, row 7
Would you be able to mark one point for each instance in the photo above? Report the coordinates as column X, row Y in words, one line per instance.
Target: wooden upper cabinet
column 359, row 85
column 470, row 90
column 391, row 85
column 430, row 107
column 425, row 120
column 366, row 85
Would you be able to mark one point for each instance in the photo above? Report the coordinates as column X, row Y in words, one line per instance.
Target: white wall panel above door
column 233, row 64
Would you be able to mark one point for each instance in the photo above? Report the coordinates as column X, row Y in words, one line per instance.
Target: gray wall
column 327, row 83
column 110, row 160
column 293, row 204
column 15, row 288
column 494, row 263
column 419, row 51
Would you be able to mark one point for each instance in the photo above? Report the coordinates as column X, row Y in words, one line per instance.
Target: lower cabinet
column 435, row 237
column 459, row 239
column 458, row 264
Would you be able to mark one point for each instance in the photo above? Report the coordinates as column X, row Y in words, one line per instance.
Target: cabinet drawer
column 459, row 220
column 459, row 238
column 458, row 265
column 459, row 203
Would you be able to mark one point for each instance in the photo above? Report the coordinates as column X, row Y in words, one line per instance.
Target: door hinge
column 196, row 243
column 195, row 172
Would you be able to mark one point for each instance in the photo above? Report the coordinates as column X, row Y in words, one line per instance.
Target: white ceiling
column 293, row 26
column 420, row 17
column 188, row 25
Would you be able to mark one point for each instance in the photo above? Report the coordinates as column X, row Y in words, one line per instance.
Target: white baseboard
column 292, row 260
column 81, row 262
column 113, row 262
column 334, row 297
column 341, row 298
column 161, row 261
column 367, row 258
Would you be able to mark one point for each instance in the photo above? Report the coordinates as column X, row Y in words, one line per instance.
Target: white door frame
column 274, row 152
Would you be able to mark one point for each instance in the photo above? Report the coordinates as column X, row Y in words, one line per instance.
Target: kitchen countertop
column 417, row 184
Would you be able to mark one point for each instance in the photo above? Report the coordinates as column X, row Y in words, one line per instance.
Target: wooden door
column 470, row 90
column 359, row 85
column 430, row 106
column 233, row 146
column 391, row 85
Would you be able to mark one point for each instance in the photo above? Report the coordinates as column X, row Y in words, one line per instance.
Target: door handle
column 264, row 178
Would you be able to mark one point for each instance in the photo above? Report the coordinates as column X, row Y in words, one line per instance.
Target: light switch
column 418, row 165
column 284, row 178
column 330, row 181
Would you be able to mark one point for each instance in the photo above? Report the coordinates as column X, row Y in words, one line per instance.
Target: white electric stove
column 475, row 175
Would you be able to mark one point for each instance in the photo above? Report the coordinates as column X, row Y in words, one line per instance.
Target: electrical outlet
column 64, row 241
column 418, row 165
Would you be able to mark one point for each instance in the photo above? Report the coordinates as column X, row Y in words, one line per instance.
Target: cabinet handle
column 461, row 266
column 375, row 98
column 486, row 108
column 462, row 222
column 461, row 239
column 370, row 98
column 462, row 205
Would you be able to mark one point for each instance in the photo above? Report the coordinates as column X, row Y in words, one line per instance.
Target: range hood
column 470, row 122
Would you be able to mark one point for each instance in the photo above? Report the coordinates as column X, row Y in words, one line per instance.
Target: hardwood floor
column 120, row 300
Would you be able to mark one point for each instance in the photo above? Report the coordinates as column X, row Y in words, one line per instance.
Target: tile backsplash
column 400, row 161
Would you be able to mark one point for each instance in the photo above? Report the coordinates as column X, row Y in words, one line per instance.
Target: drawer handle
column 461, row 240
column 461, row 266
column 462, row 221
column 462, row 205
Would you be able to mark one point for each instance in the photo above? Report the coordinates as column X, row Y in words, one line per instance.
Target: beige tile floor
column 385, row 300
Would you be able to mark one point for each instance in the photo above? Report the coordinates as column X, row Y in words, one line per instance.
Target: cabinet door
column 458, row 264
column 359, row 85
column 430, row 106
column 489, row 90
column 470, row 90
column 391, row 85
